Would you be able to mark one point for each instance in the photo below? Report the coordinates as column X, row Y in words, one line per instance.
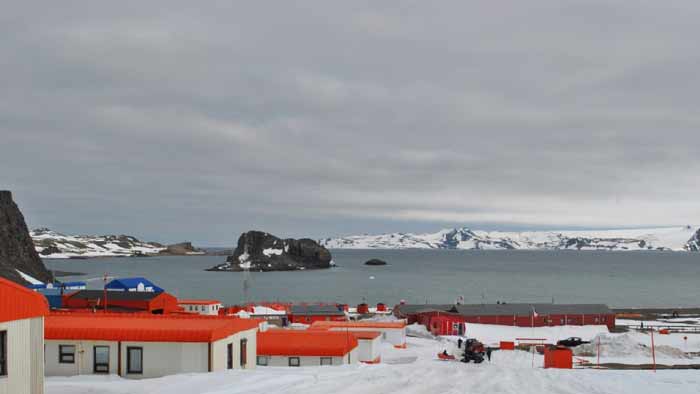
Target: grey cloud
column 175, row 120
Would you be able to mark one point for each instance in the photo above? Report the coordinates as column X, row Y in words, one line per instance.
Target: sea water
column 619, row 279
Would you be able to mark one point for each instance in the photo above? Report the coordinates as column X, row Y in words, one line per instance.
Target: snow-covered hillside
column 685, row 238
column 51, row 244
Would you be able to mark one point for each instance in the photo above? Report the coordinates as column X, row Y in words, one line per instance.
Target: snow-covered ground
column 412, row 370
column 681, row 238
column 53, row 245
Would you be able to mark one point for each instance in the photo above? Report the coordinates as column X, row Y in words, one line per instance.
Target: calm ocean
column 619, row 279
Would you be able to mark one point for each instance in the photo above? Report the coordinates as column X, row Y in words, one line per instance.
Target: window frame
column 62, row 354
column 265, row 364
column 229, row 356
column 297, row 359
column 243, row 353
column 95, row 364
column 328, row 359
column 129, row 370
column 3, row 353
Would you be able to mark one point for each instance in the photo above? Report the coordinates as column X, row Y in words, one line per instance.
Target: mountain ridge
column 54, row 245
column 679, row 238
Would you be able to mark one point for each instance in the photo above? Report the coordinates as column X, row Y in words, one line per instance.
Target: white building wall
column 167, row 358
column 159, row 358
column 312, row 361
column 208, row 310
column 25, row 357
column 220, row 352
column 368, row 350
column 395, row 336
column 84, row 357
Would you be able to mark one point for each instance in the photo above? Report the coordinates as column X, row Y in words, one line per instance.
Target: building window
column 134, row 360
column 3, row 353
column 294, row 362
column 101, row 359
column 244, row 353
column 66, row 354
column 262, row 361
column 326, row 360
column 229, row 356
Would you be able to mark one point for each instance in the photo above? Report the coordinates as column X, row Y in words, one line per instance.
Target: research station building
column 139, row 346
column 22, row 314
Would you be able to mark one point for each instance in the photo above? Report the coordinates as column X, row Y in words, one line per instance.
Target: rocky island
column 260, row 251
column 375, row 262
column 54, row 245
column 19, row 260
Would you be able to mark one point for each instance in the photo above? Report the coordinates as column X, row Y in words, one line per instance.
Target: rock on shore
column 16, row 247
column 375, row 262
column 181, row 249
column 260, row 251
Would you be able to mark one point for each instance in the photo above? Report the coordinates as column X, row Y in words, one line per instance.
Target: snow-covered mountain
column 51, row 244
column 686, row 238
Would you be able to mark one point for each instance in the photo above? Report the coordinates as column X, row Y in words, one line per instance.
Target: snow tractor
column 473, row 351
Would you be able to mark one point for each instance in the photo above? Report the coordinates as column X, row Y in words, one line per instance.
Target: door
column 100, row 359
column 229, row 356
column 244, row 352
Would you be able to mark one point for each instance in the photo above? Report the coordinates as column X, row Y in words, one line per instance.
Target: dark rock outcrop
column 16, row 247
column 179, row 249
column 693, row 244
column 259, row 251
column 375, row 262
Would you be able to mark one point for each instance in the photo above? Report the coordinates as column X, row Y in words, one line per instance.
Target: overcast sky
column 199, row 120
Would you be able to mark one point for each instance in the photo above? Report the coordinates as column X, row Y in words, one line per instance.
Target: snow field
column 414, row 370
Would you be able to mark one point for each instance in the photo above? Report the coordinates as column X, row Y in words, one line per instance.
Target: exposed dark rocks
column 51, row 249
column 375, row 262
column 693, row 243
column 16, row 246
column 182, row 248
column 260, row 251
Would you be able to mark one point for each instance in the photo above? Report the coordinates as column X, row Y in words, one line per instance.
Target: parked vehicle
column 572, row 342
column 473, row 351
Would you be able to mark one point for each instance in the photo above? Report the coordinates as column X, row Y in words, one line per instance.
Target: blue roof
column 132, row 284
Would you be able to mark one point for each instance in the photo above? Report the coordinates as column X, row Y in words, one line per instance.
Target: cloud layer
column 177, row 120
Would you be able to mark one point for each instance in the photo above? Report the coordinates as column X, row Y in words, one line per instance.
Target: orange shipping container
column 558, row 357
column 507, row 345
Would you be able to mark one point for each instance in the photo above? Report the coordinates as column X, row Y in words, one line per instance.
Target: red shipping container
column 506, row 345
column 558, row 357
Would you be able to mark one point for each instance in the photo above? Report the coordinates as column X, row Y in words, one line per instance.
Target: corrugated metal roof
column 527, row 309
column 114, row 295
column 311, row 310
column 132, row 283
column 517, row 309
column 198, row 302
column 142, row 327
column 305, row 343
column 366, row 335
column 412, row 309
column 359, row 324
column 17, row 302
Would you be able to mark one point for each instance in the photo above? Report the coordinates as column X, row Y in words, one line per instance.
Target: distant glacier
column 681, row 238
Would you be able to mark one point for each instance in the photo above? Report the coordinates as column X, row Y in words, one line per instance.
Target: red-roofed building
column 301, row 348
column 393, row 332
column 202, row 307
column 22, row 314
column 369, row 346
column 122, row 301
column 145, row 346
